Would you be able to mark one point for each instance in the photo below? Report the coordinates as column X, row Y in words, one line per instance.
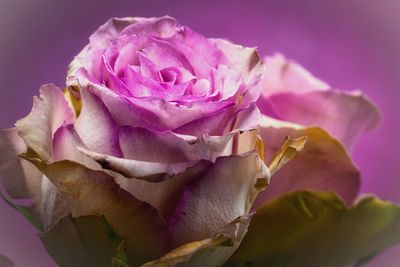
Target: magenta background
column 350, row 44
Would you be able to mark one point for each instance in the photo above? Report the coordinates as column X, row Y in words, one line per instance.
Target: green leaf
column 83, row 241
column 316, row 229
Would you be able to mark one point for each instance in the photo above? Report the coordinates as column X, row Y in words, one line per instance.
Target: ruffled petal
column 90, row 56
column 245, row 60
column 50, row 111
column 323, row 164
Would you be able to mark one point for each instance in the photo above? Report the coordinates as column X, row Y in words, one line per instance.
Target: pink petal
column 218, row 198
column 95, row 126
column 244, row 60
column 50, row 110
column 19, row 177
column 282, row 75
column 345, row 115
column 323, row 164
column 291, row 93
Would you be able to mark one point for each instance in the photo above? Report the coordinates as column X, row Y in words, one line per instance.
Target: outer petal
column 206, row 148
column 82, row 241
column 150, row 171
column 211, row 252
column 345, row 115
column 50, row 111
column 291, row 93
column 225, row 193
column 322, row 165
column 317, row 229
column 283, row 75
column 19, row 177
column 164, row 195
column 95, row 193
column 22, row 180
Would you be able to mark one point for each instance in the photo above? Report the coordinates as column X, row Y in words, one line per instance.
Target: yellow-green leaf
column 317, row 229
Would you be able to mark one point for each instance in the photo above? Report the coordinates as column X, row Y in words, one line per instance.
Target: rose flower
column 156, row 154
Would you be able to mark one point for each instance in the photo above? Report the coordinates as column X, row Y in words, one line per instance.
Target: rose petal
column 53, row 204
column 345, row 115
column 90, row 56
column 95, row 193
column 290, row 148
column 323, row 164
column 145, row 145
column 283, row 75
column 211, row 252
column 122, row 111
column 223, row 122
column 292, row 94
column 168, row 147
column 162, row 27
column 224, row 194
column 50, row 110
column 96, row 127
column 164, row 195
column 150, row 171
column 109, row 30
column 82, row 241
column 245, row 60
column 22, row 180
column 163, row 113
column 66, row 144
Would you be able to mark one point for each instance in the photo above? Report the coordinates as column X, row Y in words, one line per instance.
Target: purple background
column 350, row 44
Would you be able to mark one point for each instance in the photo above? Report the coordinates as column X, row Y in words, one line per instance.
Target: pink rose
column 156, row 154
column 157, row 132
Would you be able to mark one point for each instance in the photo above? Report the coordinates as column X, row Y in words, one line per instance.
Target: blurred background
column 351, row 44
